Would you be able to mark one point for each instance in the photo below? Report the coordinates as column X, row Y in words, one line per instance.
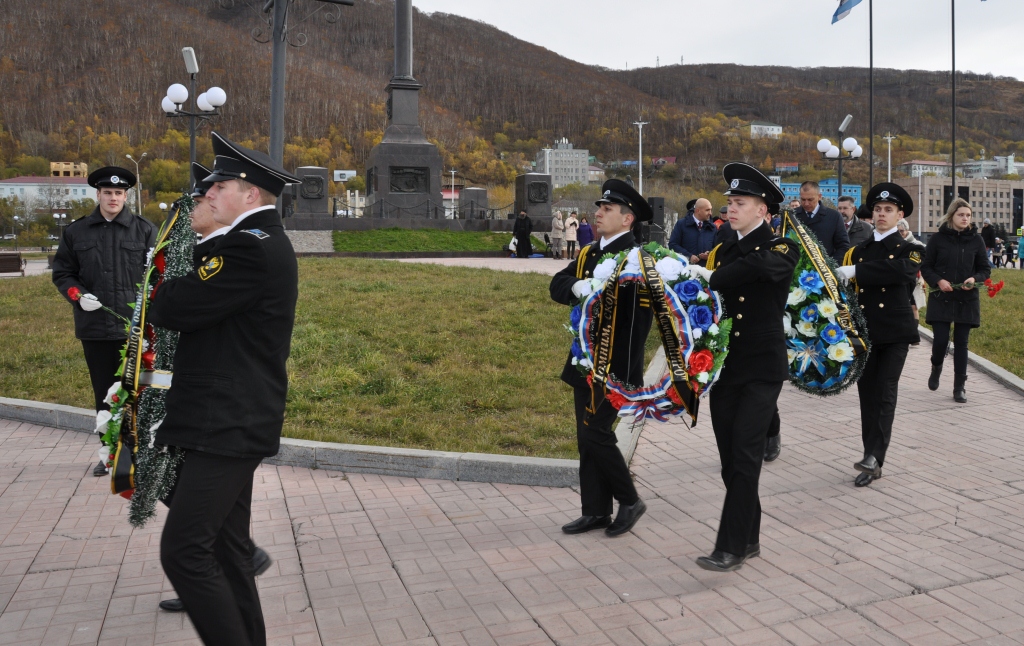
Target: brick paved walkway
column 931, row 554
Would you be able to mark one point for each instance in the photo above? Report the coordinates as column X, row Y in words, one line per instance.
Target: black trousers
column 741, row 414
column 206, row 552
column 776, row 424
column 103, row 359
column 604, row 474
column 961, row 337
column 570, row 248
column 878, row 389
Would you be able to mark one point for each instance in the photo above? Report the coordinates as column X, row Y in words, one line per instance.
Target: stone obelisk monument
column 403, row 174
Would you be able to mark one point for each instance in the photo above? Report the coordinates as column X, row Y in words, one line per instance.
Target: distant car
column 10, row 236
column 52, row 237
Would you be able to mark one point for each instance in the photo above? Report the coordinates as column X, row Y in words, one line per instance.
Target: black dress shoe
column 772, row 448
column 100, row 469
column 260, row 561
column 754, row 549
column 172, row 605
column 721, row 562
column 626, row 518
column 865, row 479
column 586, row 523
column 869, row 465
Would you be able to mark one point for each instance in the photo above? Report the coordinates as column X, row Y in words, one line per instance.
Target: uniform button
column 718, row 264
column 739, row 316
column 881, row 304
column 741, row 299
column 735, row 333
column 860, row 260
column 861, row 290
column 862, row 307
column 883, row 289
column 891, row 256
column 757, row 248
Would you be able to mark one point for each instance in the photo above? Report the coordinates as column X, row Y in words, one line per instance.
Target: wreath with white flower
column 697, row 320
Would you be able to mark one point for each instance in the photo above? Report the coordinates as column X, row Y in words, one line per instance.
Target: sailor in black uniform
column 883, row 268
column 604, row 474
column 752, row 271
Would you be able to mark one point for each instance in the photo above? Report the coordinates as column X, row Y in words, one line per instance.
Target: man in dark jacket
column 752, row 271
column 226, row 404
column 988, row 234
column 521, row 231
column 693, row 237
column 827, row 225
column 856, row 229
column 604, row 475
column 883, row 268
column 99, row 261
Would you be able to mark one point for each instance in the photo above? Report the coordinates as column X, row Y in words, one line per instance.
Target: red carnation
column 701, row 361
column 74, row 293
column 615, row 399
column 994, row 288
column 115, row 398
column 148, row 357
column 160, row 262
column 673, row 394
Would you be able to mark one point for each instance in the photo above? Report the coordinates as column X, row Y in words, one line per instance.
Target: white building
column 764, row 129
column 923, row 167
column 47, row 192
column 565, row 164
column 596, row 175
column 996, row 166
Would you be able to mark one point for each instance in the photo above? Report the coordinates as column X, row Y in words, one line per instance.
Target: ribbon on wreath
column 674, row 389
column 133, row 379
column 795, row 231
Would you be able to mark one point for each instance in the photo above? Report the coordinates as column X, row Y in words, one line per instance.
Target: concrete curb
column 1003, row 376
column 381, row 460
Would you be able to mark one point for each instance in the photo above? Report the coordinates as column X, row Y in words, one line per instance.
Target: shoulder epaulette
column 256, row 232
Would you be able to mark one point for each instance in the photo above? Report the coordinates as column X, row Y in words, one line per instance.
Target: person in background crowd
column 826, row 224
column 99, row 261
column 521, row 231
column 1009, row 254
column 557, row 235
column 694, row 236
column 916, row 291
column 954, row 262
column 904, row 230
column 988, row 236
column 586, row 233
column 794, row 204
column 883, row 269
column 571, row 226
column 997, row 253
column 856, row 229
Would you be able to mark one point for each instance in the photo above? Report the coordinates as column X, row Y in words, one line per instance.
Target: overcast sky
column 909, row 34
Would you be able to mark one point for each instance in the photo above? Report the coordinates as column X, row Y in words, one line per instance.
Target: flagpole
column 871, row 94
column 952, row 5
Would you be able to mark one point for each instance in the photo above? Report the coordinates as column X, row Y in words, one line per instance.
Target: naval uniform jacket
column 752, row 276
column 627, row 350
column 105, row 259
column 886, row 270
column 235, row 313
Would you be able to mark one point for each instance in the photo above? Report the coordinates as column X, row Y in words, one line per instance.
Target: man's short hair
column 847, row 198
column 625, row 210
column 810, row 184
column 266, row 197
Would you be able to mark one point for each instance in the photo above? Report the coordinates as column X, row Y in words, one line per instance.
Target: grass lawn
column 383, row 353
column 1001, row 335
column 424, row 240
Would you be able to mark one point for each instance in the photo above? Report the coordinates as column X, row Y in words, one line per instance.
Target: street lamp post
column 829, row 151
column 888, row 138
column 60, row 219
column 207, row 103
column 640, row 162
column 454, row 212
column 138, row 183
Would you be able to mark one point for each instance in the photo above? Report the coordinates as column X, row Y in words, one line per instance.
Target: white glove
column 846, row 273
column 90, row 303
column 697, row 270
column 582, row 288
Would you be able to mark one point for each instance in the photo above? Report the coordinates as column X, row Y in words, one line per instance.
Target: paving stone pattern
column 931, row 554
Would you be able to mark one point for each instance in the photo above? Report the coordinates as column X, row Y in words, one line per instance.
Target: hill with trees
column 490, row 101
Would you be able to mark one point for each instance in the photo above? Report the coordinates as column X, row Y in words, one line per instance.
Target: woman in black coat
column 954, row 256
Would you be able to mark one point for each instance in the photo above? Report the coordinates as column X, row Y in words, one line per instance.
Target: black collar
column 260, row 219
column 124, row 218
column 623, row 242
column 759, row 236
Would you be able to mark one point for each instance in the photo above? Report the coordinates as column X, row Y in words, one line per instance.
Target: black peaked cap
column 112, row 177
column 744, row 179
column 691, row 204
column 200, row 173
column 232, row 161
column 616, row 191
column 892, row 193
